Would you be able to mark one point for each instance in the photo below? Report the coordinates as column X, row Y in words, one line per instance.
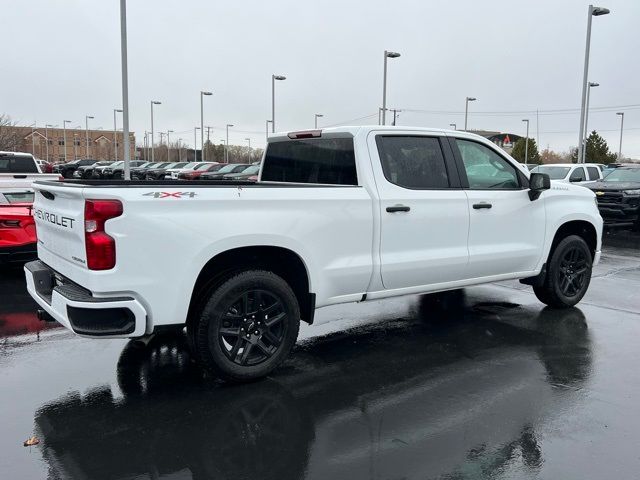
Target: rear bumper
column 79, row 310
column 18, row 254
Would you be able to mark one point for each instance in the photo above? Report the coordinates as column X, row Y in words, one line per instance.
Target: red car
column 195, row 173
column 17, row 233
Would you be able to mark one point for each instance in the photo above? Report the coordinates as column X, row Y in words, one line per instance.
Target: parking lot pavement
column 474, row 384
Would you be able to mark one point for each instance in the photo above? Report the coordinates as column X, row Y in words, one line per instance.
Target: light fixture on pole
column 273, row 100
column 586, row 120
column 195, row 144
column 592, row 12
column 466, row 110
column 154, row 102
column 455, row 127
column 86, row 133
column 64, row 138
column 317, row 116
column 169, row 146
column 226, row 148
column 249, row 140
column 202, row 94
column 115, row 133
column 526, row 143
column 621, row 127
column 387, row 54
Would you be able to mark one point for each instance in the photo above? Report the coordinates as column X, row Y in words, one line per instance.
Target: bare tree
column 9, row 138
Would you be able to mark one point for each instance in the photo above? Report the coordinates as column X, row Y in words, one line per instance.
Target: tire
column 231, row 338
column 568, row 274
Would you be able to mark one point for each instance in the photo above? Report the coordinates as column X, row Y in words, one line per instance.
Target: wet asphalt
column 482, row 383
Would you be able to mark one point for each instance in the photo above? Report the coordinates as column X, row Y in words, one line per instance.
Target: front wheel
column 568, row 274
column 247, row 327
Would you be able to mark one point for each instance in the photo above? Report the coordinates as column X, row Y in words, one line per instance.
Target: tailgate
column 58, row 211
column 24, row 180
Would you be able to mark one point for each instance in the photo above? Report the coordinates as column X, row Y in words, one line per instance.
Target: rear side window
column 17, row 164
column 577, row 175
column 314, row 160
column 593, row 173
column 413, row 162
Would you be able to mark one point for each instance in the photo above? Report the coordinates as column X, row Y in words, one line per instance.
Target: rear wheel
column 568, row 274
column 247, row 327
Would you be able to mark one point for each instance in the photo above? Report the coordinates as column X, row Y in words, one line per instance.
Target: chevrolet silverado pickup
column 346, row 214
column 18, row 171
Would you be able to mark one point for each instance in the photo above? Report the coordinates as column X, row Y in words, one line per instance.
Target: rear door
column 506, row 229
column 594, row 173
column 424, row 212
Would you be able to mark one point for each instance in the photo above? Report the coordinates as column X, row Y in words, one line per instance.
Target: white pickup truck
column 17, row 172
column 339, row 215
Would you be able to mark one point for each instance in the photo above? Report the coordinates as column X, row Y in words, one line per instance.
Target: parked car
column 17, row 228
column 227, row 169
column 98, row 170
column 45, row 167
column 198, row 171
column 346, row 214
column 118, row 171
column 173, row 169
column 245, row 174
column 618, row 196
column 19, row 170
column 571, row 172
column 157, row 172
column 174, row 172
column 107, row 172
column 138, row 173
column 67, row 169
column 87, row 171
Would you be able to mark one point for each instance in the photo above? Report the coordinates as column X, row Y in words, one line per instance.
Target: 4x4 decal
column 170, row 194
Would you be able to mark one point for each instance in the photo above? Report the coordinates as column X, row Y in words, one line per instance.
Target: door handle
column 478, row 206
column 398, row 208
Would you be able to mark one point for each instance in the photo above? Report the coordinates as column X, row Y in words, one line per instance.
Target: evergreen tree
column 532, row 151
column 597, row 150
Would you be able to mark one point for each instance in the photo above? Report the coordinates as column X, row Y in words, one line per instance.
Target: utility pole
column 204, row 157
column 621, row 128
column 526, row 143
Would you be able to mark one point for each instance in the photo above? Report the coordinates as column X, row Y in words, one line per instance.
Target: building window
column 77, row 141
column 60, row 140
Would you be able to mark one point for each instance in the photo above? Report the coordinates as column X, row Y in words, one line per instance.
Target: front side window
column 413, row 162
column 314, row 160
column 577, row 175
column 485, row 168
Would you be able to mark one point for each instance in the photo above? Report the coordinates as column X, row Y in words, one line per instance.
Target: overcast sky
column 61, row 60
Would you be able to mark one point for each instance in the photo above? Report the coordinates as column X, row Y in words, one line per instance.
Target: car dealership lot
column 487, row 383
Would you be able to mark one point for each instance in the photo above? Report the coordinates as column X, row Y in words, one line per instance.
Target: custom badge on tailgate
column 170, row 194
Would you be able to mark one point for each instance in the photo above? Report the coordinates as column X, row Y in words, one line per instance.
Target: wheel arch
column 280, row 260
column 582, row 228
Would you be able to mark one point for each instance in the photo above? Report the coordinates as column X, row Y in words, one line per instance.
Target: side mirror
column 575, row 179
column 538, row 183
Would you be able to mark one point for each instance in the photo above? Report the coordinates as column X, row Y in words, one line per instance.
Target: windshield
column 227, row 168
column 624, row 175
column 178, row 165
column 202, row 166
column 251, row 170
column 117, row 164
column 17, row 164
column 18, row 197
column 555, row 173
column 191, row 166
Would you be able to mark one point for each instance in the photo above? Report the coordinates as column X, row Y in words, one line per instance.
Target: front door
column 424, row 216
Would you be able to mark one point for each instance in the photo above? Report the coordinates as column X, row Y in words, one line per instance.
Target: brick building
column 100, row 147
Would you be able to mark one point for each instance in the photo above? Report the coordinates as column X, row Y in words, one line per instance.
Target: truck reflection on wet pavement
column 474, row 384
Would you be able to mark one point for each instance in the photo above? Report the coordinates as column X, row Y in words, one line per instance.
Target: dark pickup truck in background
column 618, row 197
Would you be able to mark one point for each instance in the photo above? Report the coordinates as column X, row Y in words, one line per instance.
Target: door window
column 577, row 175
column 485, row 168
column 593, row 173
column 413, row 162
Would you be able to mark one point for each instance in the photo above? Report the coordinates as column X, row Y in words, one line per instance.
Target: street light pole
column 75, row 151
column 621, row 127
column 195, row 144
column 46, row 134
column 86, row 133
column 273, row 101
column 226, row 148
column 115, row 133
column 317, row 116
column 169, row 146
column 249, row 140
column 154, row 102
column 526, row 143
column 202, row 94
column 586, row 120
column 387, row 54
column 64, row 138
column 267, row 131
column 455, row 127
column 466, row 110
column 592, row 12
column 125, row 90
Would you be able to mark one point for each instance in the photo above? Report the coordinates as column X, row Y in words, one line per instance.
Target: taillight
column 100, row 247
